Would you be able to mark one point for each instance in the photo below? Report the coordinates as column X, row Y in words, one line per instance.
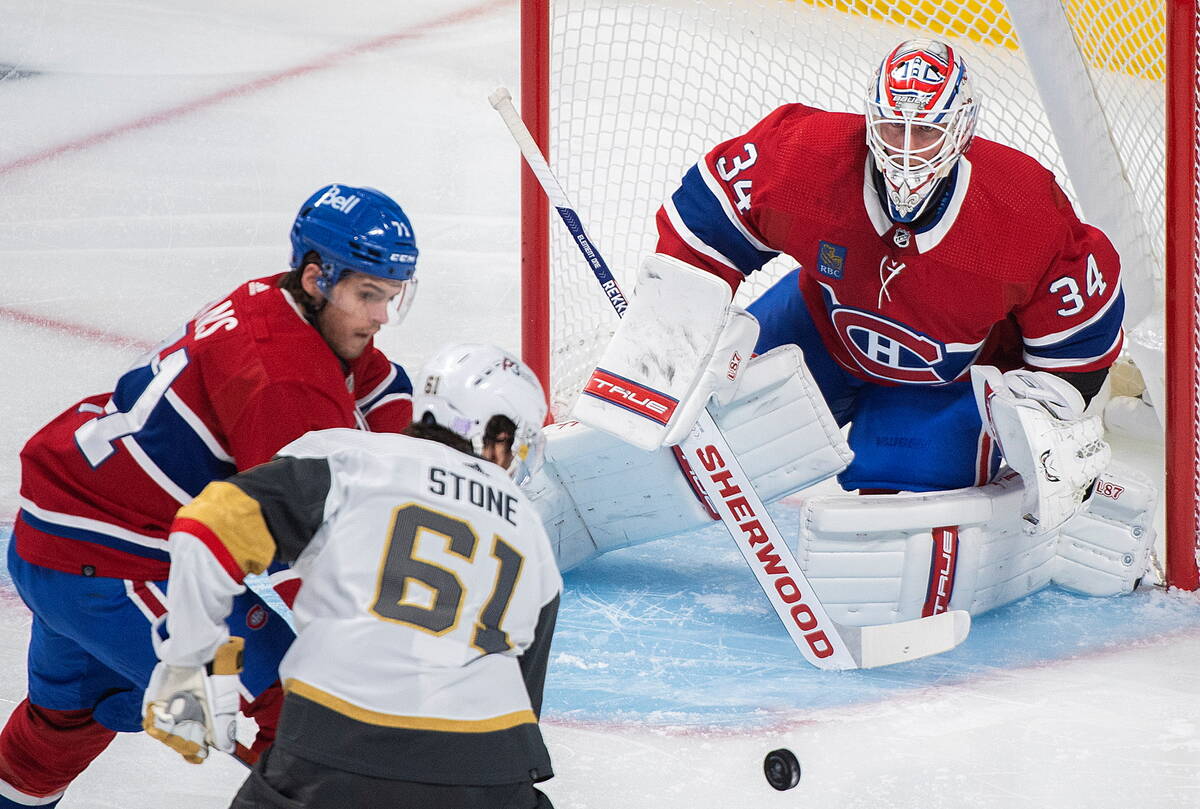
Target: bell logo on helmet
column 334, row 199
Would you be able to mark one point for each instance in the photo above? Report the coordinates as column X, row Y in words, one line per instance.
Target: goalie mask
column 920, row 120
column 465, row 386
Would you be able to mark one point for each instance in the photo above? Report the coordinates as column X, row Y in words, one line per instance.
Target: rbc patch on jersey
column 831, row 259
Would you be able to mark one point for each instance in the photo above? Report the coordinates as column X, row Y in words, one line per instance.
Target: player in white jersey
column 424, row 622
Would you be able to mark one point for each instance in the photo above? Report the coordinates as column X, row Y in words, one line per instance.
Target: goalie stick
column 824, row 643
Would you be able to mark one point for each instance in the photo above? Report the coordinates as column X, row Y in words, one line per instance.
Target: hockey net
column 627, row 94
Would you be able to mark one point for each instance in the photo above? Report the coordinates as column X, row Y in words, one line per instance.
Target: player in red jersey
column 278, row 357
column 919, row 259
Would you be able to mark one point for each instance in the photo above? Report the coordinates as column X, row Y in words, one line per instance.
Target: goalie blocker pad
column 885, row 558
column 597, row 493
column 679, row 342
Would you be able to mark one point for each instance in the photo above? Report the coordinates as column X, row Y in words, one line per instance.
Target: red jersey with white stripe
column 1002, row 272
column 249, row 374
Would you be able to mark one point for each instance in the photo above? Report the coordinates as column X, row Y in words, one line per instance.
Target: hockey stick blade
column 887, row 644
column 823, row 642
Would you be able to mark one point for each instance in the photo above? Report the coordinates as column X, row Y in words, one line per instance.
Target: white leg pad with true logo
column 878, row 559
column 597, row 493
column 1105, row 549
column 1037, row 421
column 679, row 343
column 886, row 558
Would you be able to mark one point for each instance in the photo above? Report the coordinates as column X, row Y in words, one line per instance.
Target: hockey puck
column 782, row 769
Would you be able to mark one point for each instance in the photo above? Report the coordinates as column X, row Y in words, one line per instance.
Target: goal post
column 535, row 210
column 1182, row 306
column 625, row 95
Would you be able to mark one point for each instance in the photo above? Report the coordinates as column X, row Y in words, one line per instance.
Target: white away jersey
column 424, row 620
column 430, row 569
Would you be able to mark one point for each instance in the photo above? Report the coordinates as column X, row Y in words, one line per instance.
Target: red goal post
column 624, row 95
column 1182, row 308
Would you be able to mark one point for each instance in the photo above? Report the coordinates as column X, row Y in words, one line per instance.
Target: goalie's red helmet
column 921, row 112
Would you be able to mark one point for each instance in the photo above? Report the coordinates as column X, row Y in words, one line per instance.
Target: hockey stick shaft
column 823, row 643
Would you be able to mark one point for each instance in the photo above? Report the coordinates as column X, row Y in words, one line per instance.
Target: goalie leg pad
column 597, row 493
column 1105, row 549
column 785, row 437
column 879, row 559
column 679, row 342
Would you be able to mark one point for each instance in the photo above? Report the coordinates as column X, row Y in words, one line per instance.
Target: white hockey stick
column 824, row 643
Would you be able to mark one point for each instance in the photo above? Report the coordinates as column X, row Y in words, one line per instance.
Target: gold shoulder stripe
column 503, row 722
column 237, row 520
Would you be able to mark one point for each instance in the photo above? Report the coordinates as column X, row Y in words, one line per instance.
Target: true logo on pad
column 617, row 390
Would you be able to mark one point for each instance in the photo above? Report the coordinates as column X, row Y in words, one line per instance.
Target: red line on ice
column 171, row 113
column 73, row 329
column 246, row 88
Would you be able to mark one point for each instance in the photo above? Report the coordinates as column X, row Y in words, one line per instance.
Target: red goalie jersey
column 1002, row 272
column 102, row 481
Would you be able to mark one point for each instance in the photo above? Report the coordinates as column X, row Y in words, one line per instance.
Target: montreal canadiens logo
column 918, row 72
column 257, row 617
column 888, row 350
column 918, row 76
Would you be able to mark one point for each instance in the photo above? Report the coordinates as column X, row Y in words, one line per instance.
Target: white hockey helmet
column 464, row 386
column 921, row 114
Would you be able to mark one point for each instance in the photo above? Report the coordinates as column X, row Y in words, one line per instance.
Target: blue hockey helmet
column 357, row 230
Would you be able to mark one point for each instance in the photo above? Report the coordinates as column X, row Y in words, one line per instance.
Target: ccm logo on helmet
column 617, row 390
column 334, row 199
column 770, row 562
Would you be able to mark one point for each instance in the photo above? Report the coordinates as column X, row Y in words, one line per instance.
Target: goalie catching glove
column 680, row 343
column 1037, row 421
column 191, row 709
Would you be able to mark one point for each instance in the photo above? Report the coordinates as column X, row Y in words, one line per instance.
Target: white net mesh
column 640, row 89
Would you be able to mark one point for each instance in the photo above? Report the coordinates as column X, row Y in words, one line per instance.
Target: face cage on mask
column 910, row 175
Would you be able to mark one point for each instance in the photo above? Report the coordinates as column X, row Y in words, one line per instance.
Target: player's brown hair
column 430, row 430
column 291, row 283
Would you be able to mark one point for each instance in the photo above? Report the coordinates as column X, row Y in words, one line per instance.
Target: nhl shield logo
column 831, row 260
column 901, row 237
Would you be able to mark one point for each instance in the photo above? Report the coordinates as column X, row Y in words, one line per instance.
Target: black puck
column 782, row 769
